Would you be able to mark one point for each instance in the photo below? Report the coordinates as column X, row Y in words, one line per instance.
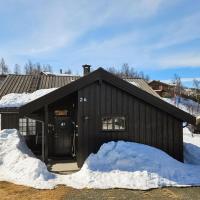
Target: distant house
column 163, row 89
column 85, row 112
column 189, row 92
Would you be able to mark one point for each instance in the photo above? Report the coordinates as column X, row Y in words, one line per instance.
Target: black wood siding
column 145, row 123
column 9, row 120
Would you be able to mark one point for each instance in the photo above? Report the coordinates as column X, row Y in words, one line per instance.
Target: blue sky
column 158, row 37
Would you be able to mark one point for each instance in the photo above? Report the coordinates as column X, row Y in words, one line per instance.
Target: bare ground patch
column 10, row 191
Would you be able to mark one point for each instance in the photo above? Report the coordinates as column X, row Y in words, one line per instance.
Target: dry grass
column 9, row 191
column 18, row 192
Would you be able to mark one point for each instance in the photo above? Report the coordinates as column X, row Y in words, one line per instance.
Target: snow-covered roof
column 15, row 100
column 56, row 74
column 31, row 83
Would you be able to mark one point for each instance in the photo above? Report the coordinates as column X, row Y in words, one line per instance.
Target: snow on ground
column 116, row 165
column 187, row 105
column 18, row 164
column 191, row 147
column 17, row 100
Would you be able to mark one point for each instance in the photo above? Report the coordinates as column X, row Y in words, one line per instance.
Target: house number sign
column 83, row 99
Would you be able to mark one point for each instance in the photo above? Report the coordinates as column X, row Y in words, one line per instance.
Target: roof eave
column 9, row 110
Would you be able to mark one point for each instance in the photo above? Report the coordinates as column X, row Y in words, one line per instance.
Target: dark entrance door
column 63, row 135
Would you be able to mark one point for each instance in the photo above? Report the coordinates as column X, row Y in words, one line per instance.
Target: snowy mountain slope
column 187, row 105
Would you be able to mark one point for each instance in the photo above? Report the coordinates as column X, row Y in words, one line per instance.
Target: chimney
column 86, row 69
column 60, row 71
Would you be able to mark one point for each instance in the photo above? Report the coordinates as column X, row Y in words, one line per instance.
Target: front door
column 63, row 135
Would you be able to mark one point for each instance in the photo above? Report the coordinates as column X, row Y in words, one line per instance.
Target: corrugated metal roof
column 31, row 83
column 2, row 78
column 142, row 85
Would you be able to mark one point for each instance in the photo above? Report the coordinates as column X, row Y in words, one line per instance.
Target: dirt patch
column 18, row 192
column 123, row 194
column 9, row 191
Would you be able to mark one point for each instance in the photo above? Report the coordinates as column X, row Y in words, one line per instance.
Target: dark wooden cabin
column 100, row 107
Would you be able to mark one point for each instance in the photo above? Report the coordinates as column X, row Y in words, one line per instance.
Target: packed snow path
column 116, row 165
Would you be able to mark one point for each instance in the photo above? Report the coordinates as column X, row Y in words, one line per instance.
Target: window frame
column 23, row 126
column 27, row 126
column 113, row 117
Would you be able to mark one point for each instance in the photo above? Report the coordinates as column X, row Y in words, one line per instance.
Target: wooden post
column 46, row 116
column 43, row 143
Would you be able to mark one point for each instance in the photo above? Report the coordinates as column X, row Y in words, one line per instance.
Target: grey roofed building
column 30, row 83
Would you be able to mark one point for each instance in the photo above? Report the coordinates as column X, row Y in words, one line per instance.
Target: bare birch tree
column 178, row 87
column 196, row 84
column 17, row 69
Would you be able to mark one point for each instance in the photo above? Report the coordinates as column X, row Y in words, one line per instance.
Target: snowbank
column 133, row 166
column 116, row 165
column 191, row 147
column 17, row 100
column 18, row 164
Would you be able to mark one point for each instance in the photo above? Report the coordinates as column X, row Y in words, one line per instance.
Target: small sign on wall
column 83, row 99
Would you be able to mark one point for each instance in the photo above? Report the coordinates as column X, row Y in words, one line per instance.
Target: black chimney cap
column 86, row 69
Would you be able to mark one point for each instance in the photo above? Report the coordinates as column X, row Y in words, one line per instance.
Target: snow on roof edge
column 16, row 100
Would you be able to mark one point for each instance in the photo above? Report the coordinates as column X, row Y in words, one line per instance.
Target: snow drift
column 116, row 165
column 18, row 164
column 17, row 100
column 133, row 166
column 191, row 147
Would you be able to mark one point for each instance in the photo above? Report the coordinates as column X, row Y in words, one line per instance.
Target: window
column 27, row 126
column 114, row 123
column 22, row 126
column 31, row 127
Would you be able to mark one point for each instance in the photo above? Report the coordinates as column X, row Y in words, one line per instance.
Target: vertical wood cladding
column 145, row 123
column 9, row 120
